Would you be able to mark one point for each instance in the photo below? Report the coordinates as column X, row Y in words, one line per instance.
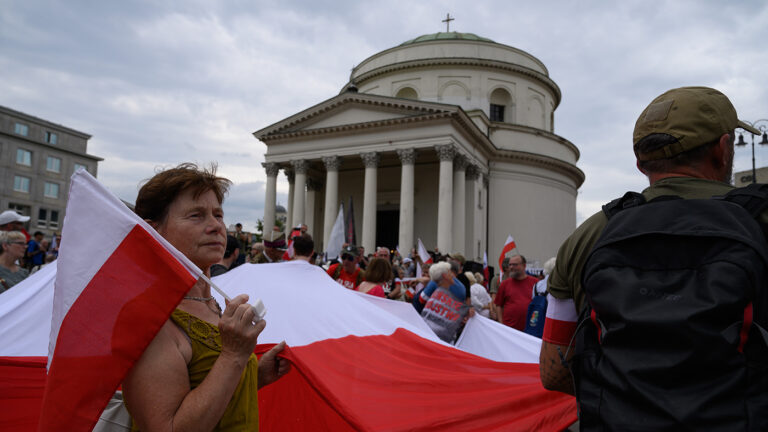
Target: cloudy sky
column 158, row 83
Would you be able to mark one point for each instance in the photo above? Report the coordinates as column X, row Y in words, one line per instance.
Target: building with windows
column 37, row 158
column 449, row 137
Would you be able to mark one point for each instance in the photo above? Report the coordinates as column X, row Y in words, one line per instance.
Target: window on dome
column 501, row 108
column 407, row 93
column 497, row 113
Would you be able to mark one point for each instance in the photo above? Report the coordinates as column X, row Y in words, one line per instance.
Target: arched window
column 501, row 106
column 407, row 93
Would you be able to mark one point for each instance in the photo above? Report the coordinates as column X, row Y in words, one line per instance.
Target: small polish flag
column 118, row 281
column 509, row 246
column 288, row 254
column 426, row 258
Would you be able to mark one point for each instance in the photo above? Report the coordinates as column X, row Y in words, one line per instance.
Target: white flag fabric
column 336, row 238
column 423, row 254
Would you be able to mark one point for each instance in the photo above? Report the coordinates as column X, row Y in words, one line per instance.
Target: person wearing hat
column 274, row 245
column 347, row 273
column 684, row 144
column 12, row 221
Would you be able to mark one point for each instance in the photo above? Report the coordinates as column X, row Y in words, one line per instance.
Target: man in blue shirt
column 35, row 254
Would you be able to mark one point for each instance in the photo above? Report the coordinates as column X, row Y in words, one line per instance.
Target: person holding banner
column 199, row 372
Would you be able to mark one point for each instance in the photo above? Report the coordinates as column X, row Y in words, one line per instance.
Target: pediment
column 352, row 114
column 353, row 109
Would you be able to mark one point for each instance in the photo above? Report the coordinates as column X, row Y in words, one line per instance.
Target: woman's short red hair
column 157, row 194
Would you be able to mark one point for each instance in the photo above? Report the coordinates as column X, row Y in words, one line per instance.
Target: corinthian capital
column 460, row 163
column 289, row 174
column 445, row 152
column 272, row 169
column 300, row 166
column 332, row 163
column 370, row 160
column 473, row 172
column 407, row 156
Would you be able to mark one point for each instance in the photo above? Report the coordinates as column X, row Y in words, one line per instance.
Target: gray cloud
column 161, row 83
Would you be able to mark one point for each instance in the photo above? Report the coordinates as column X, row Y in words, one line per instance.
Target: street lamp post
column 762, row 126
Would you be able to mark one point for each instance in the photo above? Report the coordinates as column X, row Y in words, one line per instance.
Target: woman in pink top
column 378, row 272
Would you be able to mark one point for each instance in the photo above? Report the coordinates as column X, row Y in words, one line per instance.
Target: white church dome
column 507, row 84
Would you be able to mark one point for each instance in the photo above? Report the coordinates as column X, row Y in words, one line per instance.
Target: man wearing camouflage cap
column 683, row 142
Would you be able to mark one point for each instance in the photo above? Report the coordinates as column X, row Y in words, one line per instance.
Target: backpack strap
column 630, row 199
column 754, row 198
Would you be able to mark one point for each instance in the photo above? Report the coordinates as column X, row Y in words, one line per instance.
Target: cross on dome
column 447, row 22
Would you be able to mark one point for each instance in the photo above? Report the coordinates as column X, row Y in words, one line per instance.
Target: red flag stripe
column 354, row 376
column 100, row 338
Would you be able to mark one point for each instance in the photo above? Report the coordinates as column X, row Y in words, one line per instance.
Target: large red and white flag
column 509, row 246
column 426, row 258
column 337, row 366
column 117, row 282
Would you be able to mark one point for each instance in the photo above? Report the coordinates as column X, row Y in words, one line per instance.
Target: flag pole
column 258, row 307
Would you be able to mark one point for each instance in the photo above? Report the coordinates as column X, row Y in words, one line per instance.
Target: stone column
column 470, row 238
column 485, row 203
column 289, row 206
column 371, row 162
column 332, row 165
column 405, row 235
column 309, row 212
column 445, row 153
column 300, row 167
column 459, row 207
column 271, row 195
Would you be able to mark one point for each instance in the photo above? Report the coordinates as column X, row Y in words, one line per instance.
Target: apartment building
column 37, row 158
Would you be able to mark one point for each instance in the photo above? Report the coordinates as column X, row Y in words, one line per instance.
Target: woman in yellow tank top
column 199, row 373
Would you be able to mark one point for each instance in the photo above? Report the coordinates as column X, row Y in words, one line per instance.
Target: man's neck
column 301, row 258
column 699, row 172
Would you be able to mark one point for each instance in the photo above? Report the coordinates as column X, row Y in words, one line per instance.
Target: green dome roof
column 447, row 36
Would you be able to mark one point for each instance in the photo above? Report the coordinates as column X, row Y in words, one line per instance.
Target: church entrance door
column 387, row 228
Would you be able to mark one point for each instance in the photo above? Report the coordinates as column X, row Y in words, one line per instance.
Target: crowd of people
column 20, row 253
column 385, row 273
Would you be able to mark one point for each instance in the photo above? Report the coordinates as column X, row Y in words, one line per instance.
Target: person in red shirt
column 347, row 273
column 515, row 294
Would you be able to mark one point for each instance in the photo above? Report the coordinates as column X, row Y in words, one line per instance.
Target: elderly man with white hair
column 444, row 300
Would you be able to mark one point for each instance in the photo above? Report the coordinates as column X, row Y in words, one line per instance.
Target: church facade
column 448, row 137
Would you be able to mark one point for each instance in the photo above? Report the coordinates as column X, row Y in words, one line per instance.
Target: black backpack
column 671, row 336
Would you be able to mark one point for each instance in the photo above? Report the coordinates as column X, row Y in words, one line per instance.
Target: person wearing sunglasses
column 14, row 245
column 347, row 273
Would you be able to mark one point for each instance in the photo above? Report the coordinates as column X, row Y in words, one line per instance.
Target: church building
column 448, row 137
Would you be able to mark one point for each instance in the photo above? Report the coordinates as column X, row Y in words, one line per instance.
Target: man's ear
column 720, row 151
column 152, row 223
column 637, row 164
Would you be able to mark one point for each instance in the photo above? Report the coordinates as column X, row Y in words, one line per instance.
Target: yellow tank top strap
column 197, row 329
